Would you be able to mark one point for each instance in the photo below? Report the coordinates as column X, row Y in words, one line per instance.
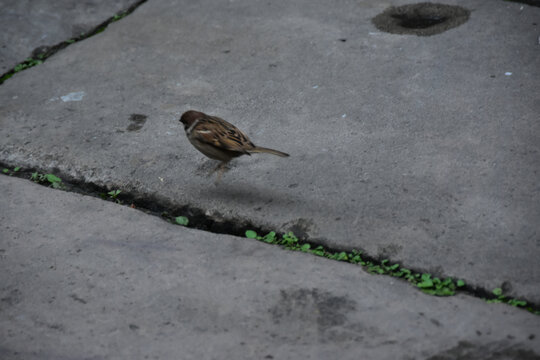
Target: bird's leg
column 218, row 167
column 221, row 168
column 215, row 169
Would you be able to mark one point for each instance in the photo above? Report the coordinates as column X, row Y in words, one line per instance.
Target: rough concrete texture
column 85, row 278
column 417, row 149
column 26, row 25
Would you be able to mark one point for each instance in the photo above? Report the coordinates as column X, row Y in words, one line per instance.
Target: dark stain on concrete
column 316, row 305
column 137, row 122
column 390, row 250
column 318, row 313
column 528, row 2
column 301, row 227
column 10, row 298
column 465, row 350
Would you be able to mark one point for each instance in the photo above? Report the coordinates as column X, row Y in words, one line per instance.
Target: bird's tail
column 259, row 149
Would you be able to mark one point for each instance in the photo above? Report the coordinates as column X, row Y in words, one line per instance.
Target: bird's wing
column 221, row 134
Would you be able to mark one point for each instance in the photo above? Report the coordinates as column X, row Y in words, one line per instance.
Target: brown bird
column 219, row 139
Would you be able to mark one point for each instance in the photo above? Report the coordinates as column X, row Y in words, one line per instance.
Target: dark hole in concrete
column 418, row 22
column 422, row 19
column 343, row 40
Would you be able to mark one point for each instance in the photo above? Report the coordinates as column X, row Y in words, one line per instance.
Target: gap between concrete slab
column 42, row 53
column 215, row 223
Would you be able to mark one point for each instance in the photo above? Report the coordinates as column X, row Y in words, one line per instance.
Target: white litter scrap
column 508, row 73
column 74, row 96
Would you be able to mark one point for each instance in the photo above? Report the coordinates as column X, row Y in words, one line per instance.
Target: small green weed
column 50, row 179
column 6, row 76
column 114, row 193
column 28, row 63
column 181, row 220
column 113, row 19
column 11, row 172
column 111, row 195
column 119, row 16
column 501, row 298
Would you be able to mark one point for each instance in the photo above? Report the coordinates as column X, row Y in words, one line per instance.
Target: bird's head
column 189, row 117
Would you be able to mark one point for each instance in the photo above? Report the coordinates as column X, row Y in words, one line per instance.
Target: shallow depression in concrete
column 422, row 19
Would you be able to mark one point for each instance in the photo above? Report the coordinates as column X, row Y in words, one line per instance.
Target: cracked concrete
column 423, row 150
column 417, row 149
column 85, row 277
column 26, row 26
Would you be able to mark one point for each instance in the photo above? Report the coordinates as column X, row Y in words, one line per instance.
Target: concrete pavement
column 423, row 150
column 417, row 149
column 85, row 278
column 28, row 27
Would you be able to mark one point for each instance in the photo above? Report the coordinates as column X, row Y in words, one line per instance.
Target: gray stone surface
column 85, row 278
column 26, row 25
column 419, row 149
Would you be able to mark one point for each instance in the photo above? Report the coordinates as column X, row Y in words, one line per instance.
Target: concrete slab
column 423, row 150
column 26, row 25
column 85, row 278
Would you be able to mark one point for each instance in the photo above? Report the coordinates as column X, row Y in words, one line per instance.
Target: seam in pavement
column 49, row 51
column 198, row 219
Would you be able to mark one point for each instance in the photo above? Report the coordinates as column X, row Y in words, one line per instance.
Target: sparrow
column 219, row 139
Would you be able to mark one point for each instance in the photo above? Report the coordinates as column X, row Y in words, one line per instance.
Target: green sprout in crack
column 181, row 220
column 437, row 286
column 11, row 172
column 501, row 298
column 114, row 193
column 119, row 16
column 111, row 195
column 47, row 179
column 28, row 63
column 426, row 283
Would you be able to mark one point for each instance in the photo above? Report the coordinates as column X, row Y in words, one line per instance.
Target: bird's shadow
column 206, row 168
column 242, row 193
